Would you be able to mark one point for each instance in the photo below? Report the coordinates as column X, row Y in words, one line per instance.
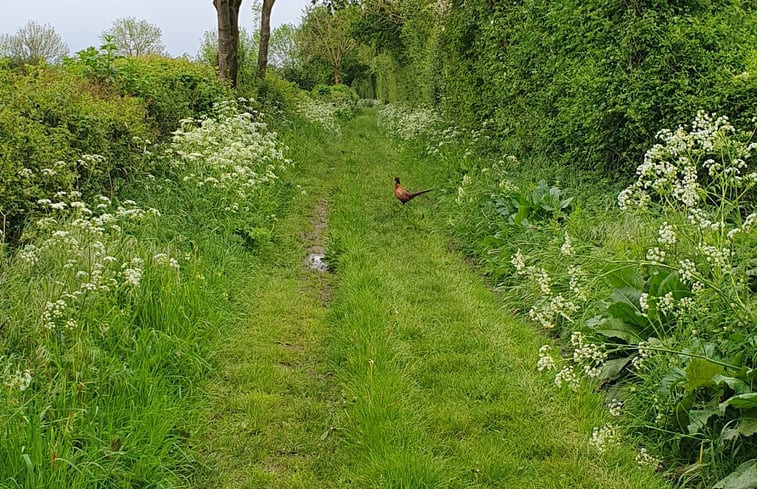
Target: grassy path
column 410, row 375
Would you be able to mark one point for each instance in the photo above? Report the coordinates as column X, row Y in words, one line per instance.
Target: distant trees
column 328, row 36
column 134, row 37
column 33, row 43
column 247, row 52
column 282, row 50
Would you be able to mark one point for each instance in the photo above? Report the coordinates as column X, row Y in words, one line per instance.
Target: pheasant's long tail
column 416, row 194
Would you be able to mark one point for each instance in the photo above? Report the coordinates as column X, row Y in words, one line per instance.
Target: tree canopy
column 134, row 37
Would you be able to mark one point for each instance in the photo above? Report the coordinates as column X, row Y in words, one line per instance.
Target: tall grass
column 109, row 310
column 647, row 291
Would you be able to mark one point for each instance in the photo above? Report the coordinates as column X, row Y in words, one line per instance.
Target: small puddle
column 315, row 261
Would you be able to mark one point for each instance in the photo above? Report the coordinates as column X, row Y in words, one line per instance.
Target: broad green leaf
column 664, row 282
column 741, row 401
column 736, row 385
column 698, row 419
column 612, row 327
column 700, row 372
column 612, row 368
column 675, row 377
column 748, row 426
column 628, row 276
column 625, row 307
column 744, row 477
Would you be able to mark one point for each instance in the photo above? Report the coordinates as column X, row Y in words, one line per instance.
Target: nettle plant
column 680, row 321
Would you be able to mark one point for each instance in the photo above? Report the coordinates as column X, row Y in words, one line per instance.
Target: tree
column 134, row 37
column 32, row 44
column 247, row 50
column 265, row 36
column 282, row 48
column 328, row 35
column 228, row 38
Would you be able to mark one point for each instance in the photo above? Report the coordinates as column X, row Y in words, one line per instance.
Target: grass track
column 412, row 376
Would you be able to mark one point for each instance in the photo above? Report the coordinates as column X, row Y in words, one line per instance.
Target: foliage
column 283, row 51
column 32, row 44
column 134, row 37
column 581, row 83
column 279, row 97
column 586, row 83
column 326, row 36
column 172, row 89
column 406, row 124
column 51, row 121
column 247, row 54
column 110, row 307
column 650, row 294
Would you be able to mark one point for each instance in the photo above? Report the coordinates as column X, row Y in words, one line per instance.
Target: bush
column 278, row 94
column 51, row 119
column 172, row 89
column 110, row 309
column 585, row 84
column 338, row 94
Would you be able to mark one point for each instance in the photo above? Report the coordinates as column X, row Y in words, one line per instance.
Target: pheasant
column 403, row 194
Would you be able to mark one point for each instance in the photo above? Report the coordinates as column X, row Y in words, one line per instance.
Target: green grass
column 400, row 369
column 412, row 375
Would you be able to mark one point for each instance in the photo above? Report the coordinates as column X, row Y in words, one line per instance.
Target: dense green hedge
column 95, row 104
column 50, row 119
column 582, row 82
column 171, row 88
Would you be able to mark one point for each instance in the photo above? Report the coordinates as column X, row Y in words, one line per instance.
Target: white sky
column 80, row 22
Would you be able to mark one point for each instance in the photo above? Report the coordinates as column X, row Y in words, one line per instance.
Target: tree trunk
column 338, row 73
column 265, row 36
column 228, row 38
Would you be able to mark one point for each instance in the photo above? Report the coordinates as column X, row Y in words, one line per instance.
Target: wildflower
column 656, row 256
column 716, row 257
column 21, row 380
column 616, row 407
column 568, row 377
column 29, row 254
column 644, row 302
column 519, row 262
column 644, row 458
column 666, row 235
column 132, row 276
column 666, row 304
column 587, row 355
column 643, row 353
column 544, row 282
column 567, row 247
column 546, row 362
column 608, row 434
column 540, row 317
column 576, row 274
column 687, row 270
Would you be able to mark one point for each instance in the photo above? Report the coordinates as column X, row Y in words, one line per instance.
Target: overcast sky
column 80, row 22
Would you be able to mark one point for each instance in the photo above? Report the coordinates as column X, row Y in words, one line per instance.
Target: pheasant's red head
column 397, row 180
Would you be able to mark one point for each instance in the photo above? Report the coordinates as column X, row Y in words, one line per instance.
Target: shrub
column 50, row 121
column 109, row 310
column 172, row 89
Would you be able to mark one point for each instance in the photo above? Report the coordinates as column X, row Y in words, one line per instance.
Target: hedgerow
column 647, row 291
column 586, row 84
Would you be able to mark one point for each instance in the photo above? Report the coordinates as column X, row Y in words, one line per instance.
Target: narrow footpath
column 398, row 367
